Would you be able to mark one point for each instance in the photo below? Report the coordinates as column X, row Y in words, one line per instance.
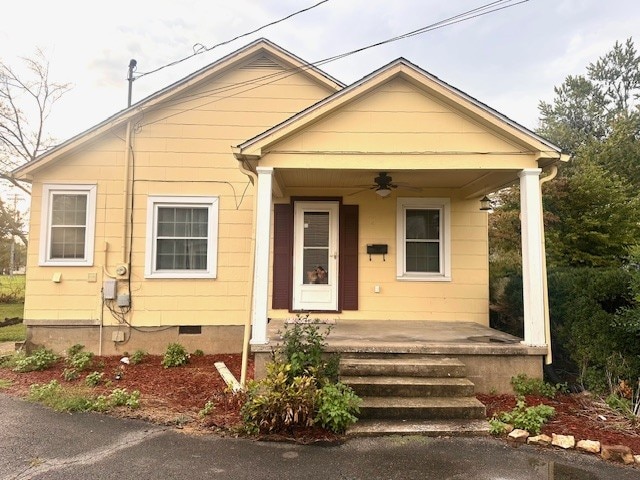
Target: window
column 423, row 239
column 182, row 236
column 68, row 222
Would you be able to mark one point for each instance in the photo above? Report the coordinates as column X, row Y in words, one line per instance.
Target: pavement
column 37, row 443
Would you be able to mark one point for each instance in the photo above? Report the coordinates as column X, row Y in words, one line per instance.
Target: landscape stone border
column 614, row 453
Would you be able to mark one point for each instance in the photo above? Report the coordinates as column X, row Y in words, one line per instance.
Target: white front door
column 315, row 256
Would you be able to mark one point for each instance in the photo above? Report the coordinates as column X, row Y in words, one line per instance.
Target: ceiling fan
column 383, row 184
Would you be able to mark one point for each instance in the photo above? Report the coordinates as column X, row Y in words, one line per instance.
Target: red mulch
column 175, row 396
column 579, row 415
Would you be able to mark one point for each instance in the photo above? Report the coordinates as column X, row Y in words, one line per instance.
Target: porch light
column 383, row 192
column 485, row 204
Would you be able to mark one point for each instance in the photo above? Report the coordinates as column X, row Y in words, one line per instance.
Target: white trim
column 155, row 201
column 260, row 310
column 48, row 190
column 444, row 206
column 322, row 297
column 532, row 257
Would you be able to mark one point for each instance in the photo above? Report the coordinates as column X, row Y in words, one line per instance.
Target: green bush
column 137, row 357
column 77, row 358
column 94, row 379
column 40, row 359
column 53, row 395
column 525, row 385
column 337, row 406
column 175, row 356
column 303, row 348
column 278, row 403
column 526, row 418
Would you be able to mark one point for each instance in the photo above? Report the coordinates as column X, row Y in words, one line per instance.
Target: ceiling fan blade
column 359, row 191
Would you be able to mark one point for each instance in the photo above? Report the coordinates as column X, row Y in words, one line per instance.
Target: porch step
column 378, row 386
column 428, row 428
column 432, row 408
column 423, row 366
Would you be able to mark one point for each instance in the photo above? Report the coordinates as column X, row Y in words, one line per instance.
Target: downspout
column 253, row 177
column 547, row 321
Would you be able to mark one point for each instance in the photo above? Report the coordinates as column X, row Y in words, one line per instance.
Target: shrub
column 70, row 374
column 303, row 347
column 525, row 385
column 175, row 356
column 278, row 403
column 137, row 357
column 198, row 353
column 526, row 418
column 337, row 405
column 41, row 359
column 94, row 379
column 208, row 408
column 77, row 358
column 53, row 395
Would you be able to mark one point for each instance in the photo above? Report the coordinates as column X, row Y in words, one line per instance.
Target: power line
column 199, row 48
column 482, row 10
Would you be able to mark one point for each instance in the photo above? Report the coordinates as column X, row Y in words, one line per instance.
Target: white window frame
column 156, row 201
column 418, row 203
column 48, row 191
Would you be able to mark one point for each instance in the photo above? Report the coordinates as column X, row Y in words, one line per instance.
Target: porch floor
column 411, row 336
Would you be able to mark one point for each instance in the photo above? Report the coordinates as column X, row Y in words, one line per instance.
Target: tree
column 585, row 107
column 26, row 100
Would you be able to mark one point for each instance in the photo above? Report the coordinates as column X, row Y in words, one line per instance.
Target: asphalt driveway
column 37, row 443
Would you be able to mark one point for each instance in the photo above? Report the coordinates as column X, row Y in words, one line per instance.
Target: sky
column 510, row 59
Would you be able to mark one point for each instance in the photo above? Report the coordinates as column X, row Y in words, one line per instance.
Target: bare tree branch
column 26, row 100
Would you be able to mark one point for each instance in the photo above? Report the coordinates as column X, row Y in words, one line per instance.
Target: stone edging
column 616, row 453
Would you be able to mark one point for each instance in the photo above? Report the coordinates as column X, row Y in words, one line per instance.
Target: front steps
column 408, row 394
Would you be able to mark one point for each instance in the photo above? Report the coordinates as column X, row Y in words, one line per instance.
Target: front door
column 315, row 256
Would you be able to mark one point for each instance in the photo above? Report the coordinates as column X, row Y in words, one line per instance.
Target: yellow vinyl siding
column 180, row 147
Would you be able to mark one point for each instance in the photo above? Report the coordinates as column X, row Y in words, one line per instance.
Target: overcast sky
column 510, row 59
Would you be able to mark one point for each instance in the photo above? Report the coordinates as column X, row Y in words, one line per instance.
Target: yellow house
column 260, row 187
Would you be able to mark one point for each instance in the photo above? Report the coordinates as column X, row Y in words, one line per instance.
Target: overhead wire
column 257, row 82
column 202, row 49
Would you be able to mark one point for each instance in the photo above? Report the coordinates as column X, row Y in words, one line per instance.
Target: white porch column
column 261, row 264
column 532, row 257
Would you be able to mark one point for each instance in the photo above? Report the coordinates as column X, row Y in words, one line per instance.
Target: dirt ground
column 175, row 396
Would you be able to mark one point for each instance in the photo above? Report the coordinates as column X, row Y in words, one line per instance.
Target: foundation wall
column 211, row 340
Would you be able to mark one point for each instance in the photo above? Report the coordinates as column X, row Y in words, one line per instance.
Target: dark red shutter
column 282, row 255
column 348, row 295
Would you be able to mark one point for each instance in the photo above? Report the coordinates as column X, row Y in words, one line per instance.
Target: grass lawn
column 13, row 333
column 11, row 310
column 12, row 285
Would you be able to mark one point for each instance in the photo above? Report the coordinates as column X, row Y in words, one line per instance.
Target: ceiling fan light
column 383, row 192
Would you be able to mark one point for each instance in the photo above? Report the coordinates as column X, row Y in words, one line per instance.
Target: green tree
column 585, row 107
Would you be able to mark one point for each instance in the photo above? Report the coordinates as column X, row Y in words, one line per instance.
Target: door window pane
column 315, row 253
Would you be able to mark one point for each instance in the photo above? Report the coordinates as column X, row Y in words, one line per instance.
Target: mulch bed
column 581, row 415
column 175, row 396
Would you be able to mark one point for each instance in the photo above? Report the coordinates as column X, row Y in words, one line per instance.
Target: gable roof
column 422, row 79
column 261, row 46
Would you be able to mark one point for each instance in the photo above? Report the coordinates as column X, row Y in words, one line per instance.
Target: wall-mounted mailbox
column 377, row 249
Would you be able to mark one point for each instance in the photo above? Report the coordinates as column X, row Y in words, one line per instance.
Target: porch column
column 261, row 264
column 532, row 257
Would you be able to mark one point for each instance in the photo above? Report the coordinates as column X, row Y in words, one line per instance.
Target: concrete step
column 429, row 408
column 428, row 428
column 375, row 386
column 425, row 366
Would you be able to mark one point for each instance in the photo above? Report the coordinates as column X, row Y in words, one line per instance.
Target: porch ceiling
column 469, row 182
